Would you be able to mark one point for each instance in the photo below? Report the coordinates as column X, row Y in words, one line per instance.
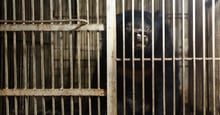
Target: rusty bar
column 163, row 56
column 153, row 66
column 194, row 58
column 111, row 56
column 24, row 45
column 14, row 48
column 204, row 53
column 123, row 57
column 213, row 56
column 174, row 61
column 82, row 21
column 6, row 58
column 14, row 60
column 183, row 56
column 52, row 92
column 42, row 58
column 61, row 37
column 33, row 56
column 52, row 58
column 51, row 27
column 142, row 57
column 132, row 60
column 79, row 57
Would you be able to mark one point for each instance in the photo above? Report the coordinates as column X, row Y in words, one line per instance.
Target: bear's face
column 138, row 36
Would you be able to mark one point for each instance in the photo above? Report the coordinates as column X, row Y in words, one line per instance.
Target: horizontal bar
column 83, row 21
column 52, row 92
column 51, row 27
column 170, row 59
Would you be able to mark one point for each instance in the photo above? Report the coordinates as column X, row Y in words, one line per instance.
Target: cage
column 67, row 57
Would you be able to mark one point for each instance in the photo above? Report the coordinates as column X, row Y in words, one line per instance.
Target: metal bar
column 61, row 37
column 71, row 58
column 24, row 46
column 153, row 66
column 98, row 56
column 89, row 70
column 52, row 58
column 111, row 56
column 82, row 21
column 52, row 92
column 51, row 27
column 204, row 54
column 42, row 58
column 163, row 56
column 79, row 71
column 123, row 58
column 88, row 53
column 142, row 57
column 14, row 60
column 174, row 56
column 213, row 56
column 6, row 58
column 132, row 59
column 34, row 57
column 183, row 56
column 79, row 57
column 170, row 59
column 194, row 57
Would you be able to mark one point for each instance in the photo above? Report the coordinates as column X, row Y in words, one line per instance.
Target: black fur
column 158, row 66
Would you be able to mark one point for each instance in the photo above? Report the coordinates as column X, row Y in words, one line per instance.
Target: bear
column 130, row 96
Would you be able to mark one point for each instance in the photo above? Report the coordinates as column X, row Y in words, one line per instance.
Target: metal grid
column 48, row 53
column 50, row 50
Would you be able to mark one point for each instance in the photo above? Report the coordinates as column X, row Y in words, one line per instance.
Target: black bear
column 133, row 48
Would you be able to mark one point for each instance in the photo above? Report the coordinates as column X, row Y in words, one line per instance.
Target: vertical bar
column 14, row 59
column 52, row 58
column 71, row 58
column 153, row 66
column 174, row 57
column 213, row 57
column 61, row 37
column 132, row 61
column 79, row 72
column 204, row 54
column 89, row 71
column 98, row 56
column 42, row 57
column 194, row 59
column 183, row 56
column 123, row 58
column 24, row 57
column 142, row 57
column 88, row 53
column 34, row 56
column 111, row 58
column 79, row 58
column 163, row 56
column 6, row 57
